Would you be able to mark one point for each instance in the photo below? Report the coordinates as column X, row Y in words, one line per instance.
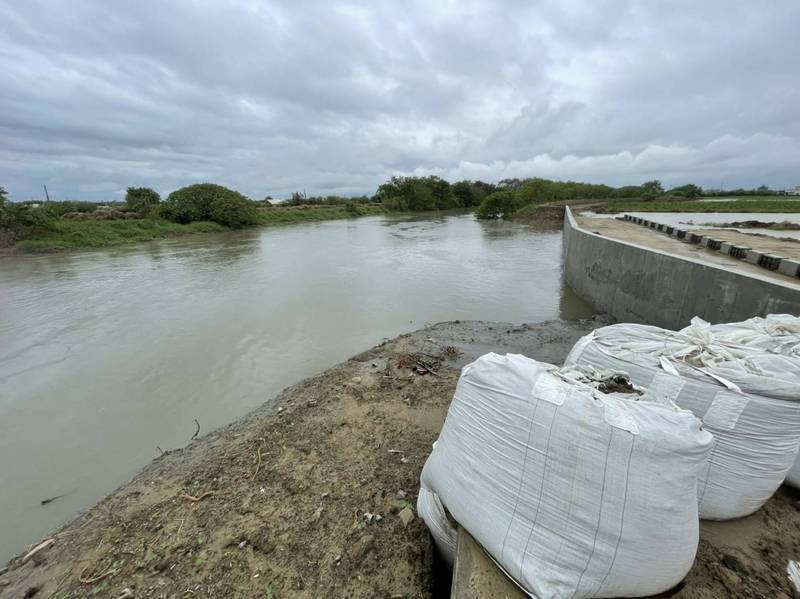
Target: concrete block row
column 769, row 261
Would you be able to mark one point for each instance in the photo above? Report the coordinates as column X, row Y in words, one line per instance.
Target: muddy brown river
column 108, row 357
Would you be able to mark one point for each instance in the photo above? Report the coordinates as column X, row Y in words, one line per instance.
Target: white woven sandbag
column 776, row 333
column 431, row 510
column 575, row 493
column 756, row 437
column 793, row 476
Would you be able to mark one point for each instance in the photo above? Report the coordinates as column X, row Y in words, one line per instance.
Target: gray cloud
column 334, row 97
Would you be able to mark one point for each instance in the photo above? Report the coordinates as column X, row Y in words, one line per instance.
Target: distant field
column 749, row 204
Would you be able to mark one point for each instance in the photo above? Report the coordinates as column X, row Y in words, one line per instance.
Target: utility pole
column 47, row 195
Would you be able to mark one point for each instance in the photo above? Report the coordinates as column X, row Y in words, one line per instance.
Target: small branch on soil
column 95, row 578
column 197, row 432
column 258, row 465
column 424, row 367
column 196, row 499
column 151, row 545
column 43, row 546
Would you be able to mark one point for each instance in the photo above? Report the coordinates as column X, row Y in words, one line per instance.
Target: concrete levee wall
column 633, row 283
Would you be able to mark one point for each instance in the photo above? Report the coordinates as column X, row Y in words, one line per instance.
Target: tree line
column 211, row 202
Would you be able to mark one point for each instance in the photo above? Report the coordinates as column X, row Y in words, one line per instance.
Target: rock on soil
column 274, row 505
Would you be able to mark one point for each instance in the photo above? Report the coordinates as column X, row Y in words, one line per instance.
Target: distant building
column 794, row 191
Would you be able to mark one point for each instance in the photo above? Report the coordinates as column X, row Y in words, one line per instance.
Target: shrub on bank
column 207, row 201
column 499, row 204
column 142, row 200
column 234, row 212
column 417, row 194
column 18, row 221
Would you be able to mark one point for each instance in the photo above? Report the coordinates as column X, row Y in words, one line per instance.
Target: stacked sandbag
column 748, row 399
column 776, row 333
column 573, row 491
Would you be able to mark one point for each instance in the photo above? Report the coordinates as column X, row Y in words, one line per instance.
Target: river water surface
column 105, row 355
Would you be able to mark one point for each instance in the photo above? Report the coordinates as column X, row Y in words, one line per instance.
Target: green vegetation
column 206, row 201
column 73, row 234
column 500, row 204
column 299, row 214
column 199, row 208
column 420, row 194
column 686, row 191
column 143, row 201
column 512, row 195
column 207, row 207
column 755, row 204
column 301, row 199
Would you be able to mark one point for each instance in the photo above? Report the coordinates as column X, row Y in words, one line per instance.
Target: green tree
column 142, row 200
column 687, row 191
column 652, row 189
column 470, row 193
column 537, row 191
column 500, row 204
column 416, row 194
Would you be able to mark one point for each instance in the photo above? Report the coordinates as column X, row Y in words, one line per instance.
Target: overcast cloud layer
column 332, row 97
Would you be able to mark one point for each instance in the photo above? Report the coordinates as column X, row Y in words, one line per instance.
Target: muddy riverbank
column 313, row 494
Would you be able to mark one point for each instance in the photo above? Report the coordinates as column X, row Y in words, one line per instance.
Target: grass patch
column 83, row 234
column 754, row 204
column 286, row 215
column 74, row 234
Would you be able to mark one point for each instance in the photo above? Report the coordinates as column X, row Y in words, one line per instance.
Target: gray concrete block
column 752, row 256
column 725, row 247
column 770, row 261
column 739, row 251
column 789, row 267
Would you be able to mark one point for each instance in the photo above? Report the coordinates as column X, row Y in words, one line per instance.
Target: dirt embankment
column 310, row 495
column 300, row 499
column 759, row 224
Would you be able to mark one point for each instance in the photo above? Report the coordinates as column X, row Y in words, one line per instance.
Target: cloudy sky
column 334, row 97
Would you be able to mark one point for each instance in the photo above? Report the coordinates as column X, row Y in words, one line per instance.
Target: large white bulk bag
column 575, row 493
column 776, row 333
column 747, row 399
